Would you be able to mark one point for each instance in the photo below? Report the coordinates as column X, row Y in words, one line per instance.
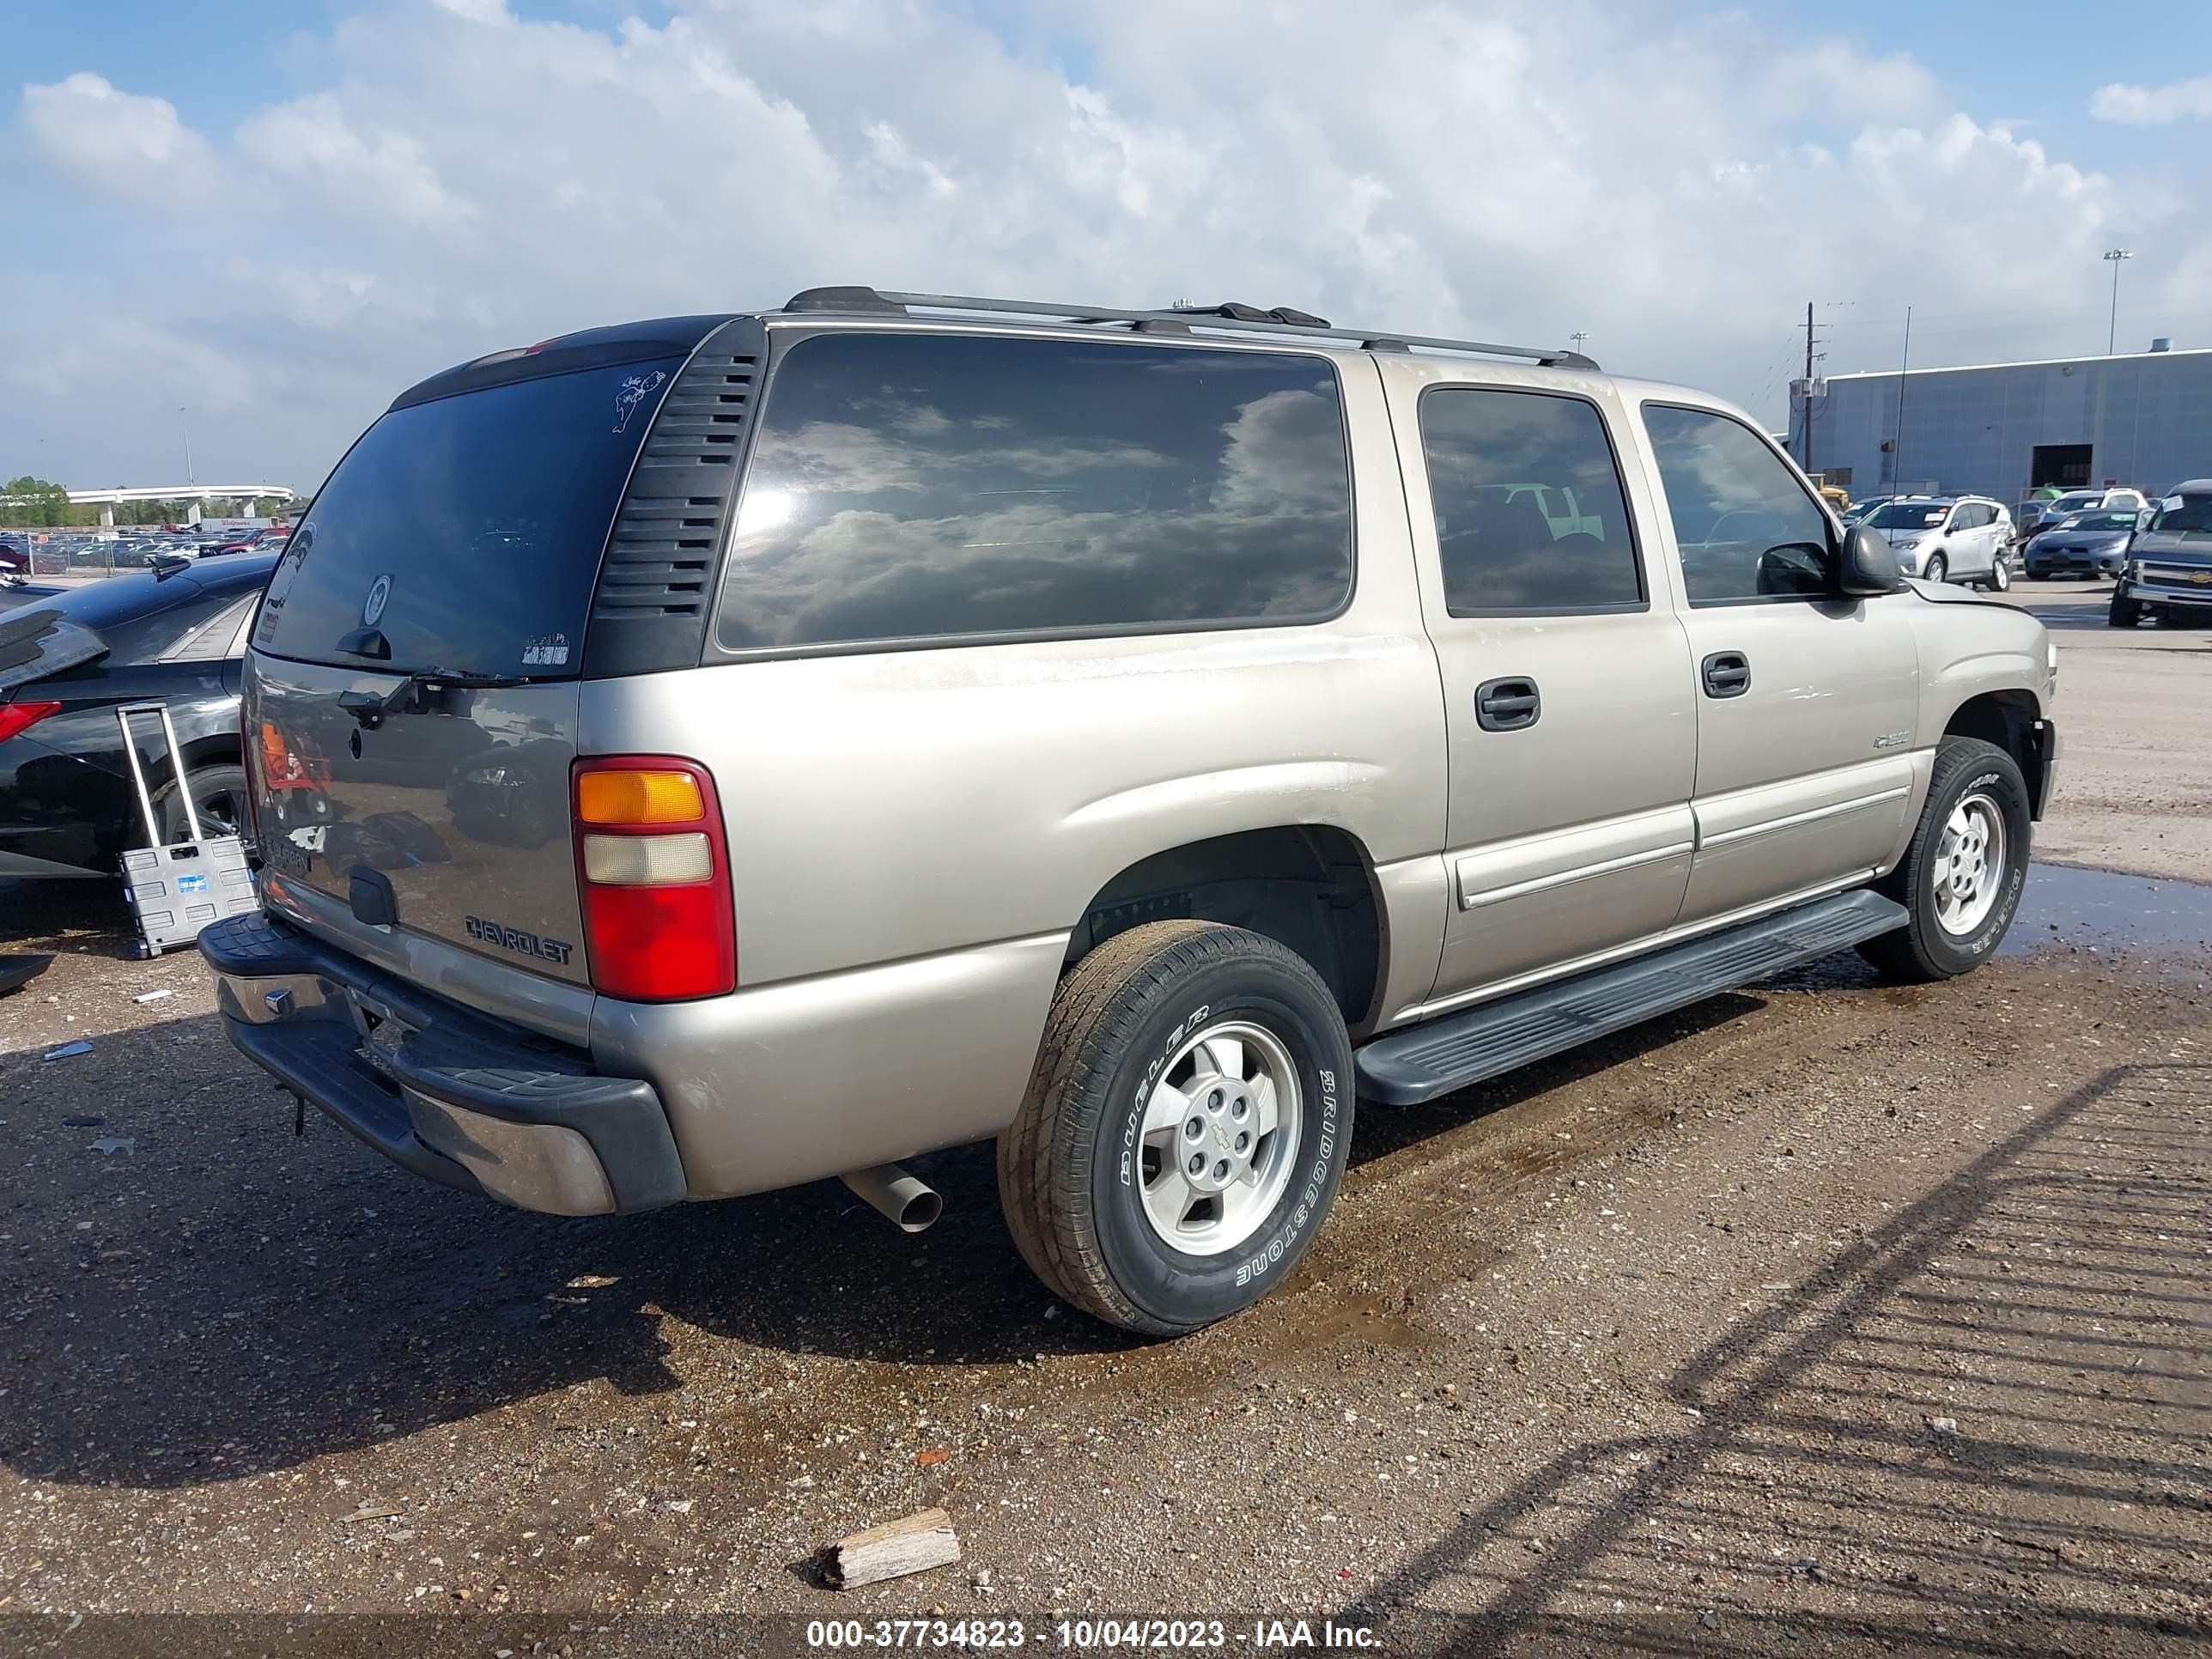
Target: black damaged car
column 69, row 657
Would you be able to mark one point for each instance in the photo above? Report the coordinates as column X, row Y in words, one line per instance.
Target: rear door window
column 1530, row 513
column 467, row 530
column 927, row 487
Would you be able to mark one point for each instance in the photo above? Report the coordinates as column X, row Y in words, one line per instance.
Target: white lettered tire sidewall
column 1923, row 950
column 1166, row 1283
column 1118, row 1019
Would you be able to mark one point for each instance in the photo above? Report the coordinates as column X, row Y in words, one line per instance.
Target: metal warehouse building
column 2002, row 429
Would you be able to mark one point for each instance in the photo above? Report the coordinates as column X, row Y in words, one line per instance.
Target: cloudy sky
column 253, row 222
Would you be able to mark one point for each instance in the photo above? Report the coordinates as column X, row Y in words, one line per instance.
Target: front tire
column 1186, row 1128
column 2122, row 612
column 1961, row 876
column 1939, row 570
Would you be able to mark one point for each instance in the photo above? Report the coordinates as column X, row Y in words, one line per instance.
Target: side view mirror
column 1868, row 565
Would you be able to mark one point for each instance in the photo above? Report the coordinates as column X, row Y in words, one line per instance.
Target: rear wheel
column 1186, row 1128
column 1961, row 877
column 1939, row 569
column 218, row 796
column 2122, row 612
column 2000, row 578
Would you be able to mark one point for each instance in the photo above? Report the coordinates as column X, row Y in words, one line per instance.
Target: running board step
column 1409, row 1067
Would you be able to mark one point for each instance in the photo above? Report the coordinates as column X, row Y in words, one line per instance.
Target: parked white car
column 1947, row 538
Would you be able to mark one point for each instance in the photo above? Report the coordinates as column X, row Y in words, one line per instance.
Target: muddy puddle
column 2103, row 910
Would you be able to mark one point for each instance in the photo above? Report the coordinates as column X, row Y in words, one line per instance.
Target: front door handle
column 1508, row 705
column 1727, row 674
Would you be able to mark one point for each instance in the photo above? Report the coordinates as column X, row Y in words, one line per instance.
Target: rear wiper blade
column 369, row 708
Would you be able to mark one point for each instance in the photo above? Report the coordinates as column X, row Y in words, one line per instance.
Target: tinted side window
column 1746, row 527
column 927, row 486
column 1530, row 511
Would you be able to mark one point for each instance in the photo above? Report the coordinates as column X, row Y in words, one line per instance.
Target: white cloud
column 375, row 173
column 121, row 142
column 2153, row 106
column 440, row 180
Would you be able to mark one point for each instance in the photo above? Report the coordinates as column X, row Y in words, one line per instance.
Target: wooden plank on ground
column 893, row 1550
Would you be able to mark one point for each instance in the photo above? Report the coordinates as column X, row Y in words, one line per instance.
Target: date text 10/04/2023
column 1089, row 1635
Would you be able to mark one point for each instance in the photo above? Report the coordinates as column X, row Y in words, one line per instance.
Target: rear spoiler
column 42, row 643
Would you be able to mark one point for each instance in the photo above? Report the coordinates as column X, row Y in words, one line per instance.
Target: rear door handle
column 1507, row 705
column 1727, row 674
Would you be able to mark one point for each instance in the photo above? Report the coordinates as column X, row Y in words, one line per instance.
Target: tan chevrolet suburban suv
column 718, row 753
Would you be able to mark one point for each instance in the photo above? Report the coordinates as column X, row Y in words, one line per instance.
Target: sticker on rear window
column 550, row 652
column 635, row 389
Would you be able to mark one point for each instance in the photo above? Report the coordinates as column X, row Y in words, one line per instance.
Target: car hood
column 1952, row 593
column 2189, row 547
column 2093, row 541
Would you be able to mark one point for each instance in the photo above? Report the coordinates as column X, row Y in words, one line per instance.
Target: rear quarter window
column 925, row 488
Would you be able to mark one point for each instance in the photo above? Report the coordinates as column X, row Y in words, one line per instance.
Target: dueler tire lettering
column 1922, row 949
column 1068, row 1166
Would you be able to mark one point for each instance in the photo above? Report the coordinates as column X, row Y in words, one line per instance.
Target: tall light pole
column 1578, row 337
column 2113, row 257
column 186, row 416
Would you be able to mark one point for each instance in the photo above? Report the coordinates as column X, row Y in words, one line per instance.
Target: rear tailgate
column 411, row 696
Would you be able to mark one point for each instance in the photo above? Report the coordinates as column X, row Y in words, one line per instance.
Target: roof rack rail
column 1228, row 318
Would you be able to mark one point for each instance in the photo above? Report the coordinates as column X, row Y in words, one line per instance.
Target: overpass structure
column 199, row 494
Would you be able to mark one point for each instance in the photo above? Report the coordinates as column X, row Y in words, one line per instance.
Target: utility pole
column 1578, row 337
column 1904, row 379
column 1808, row 386
column 2113, row 257
column 187, row 417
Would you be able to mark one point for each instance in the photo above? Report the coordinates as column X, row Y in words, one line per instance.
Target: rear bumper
column 452, row 1094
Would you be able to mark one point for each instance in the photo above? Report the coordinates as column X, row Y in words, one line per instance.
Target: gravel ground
column 1825, row 1317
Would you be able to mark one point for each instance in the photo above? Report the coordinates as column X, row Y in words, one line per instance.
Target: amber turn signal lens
column 633, row 798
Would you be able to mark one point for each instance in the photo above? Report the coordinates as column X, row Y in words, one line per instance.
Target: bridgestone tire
column 1923, row 950
column 1068, row 1167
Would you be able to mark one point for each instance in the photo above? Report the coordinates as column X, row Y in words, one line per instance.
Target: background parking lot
column 1828, row 1314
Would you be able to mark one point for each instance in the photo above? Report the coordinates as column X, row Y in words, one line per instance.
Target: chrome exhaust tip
column 912, row 1206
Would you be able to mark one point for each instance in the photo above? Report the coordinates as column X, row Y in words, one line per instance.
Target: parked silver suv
column 723, row 752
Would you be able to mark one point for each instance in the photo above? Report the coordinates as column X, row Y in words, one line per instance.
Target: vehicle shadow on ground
column 66, row 915
column 243, row 1301
column 1960, row 1436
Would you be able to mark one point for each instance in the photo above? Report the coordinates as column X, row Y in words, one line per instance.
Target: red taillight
column 17, row 718
column 660, row 920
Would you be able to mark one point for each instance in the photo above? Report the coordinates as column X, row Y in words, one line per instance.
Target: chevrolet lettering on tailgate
column 514, row 938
